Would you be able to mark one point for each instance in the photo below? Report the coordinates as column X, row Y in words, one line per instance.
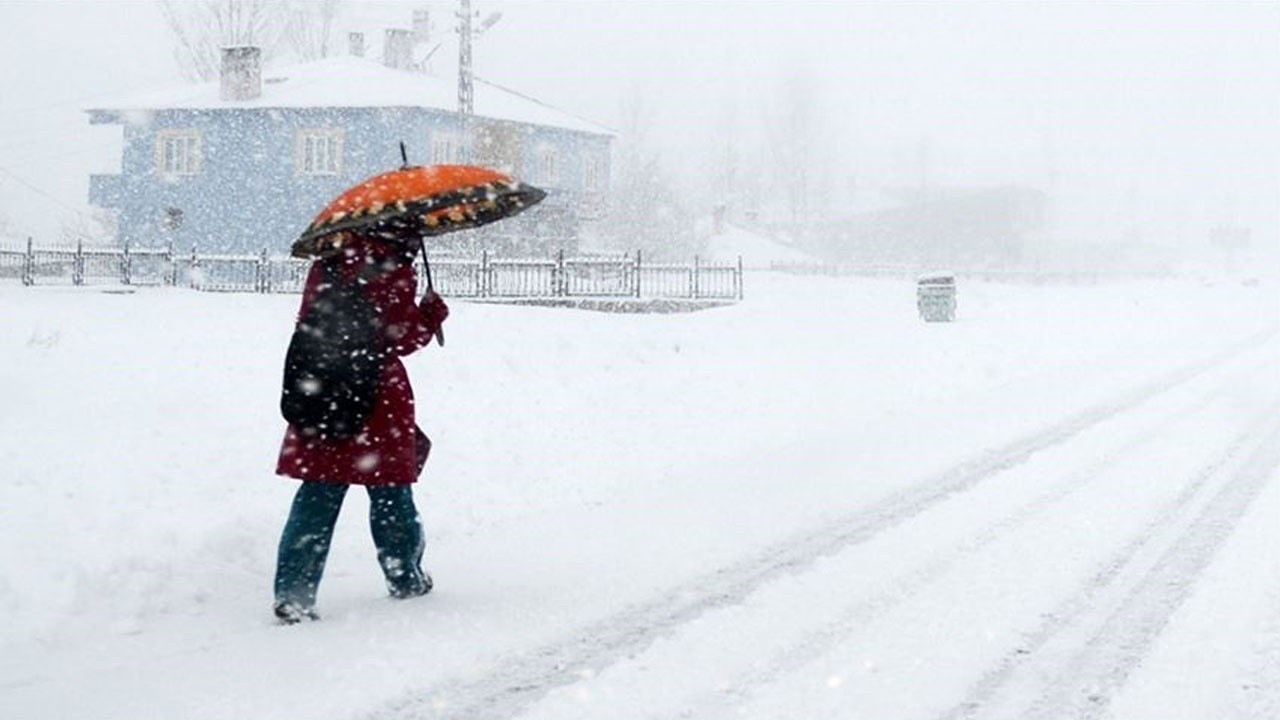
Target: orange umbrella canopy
column 415, row 202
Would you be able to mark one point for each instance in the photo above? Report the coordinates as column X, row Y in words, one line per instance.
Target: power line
column 47, row 195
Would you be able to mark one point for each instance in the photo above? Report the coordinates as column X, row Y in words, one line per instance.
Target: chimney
column 241, row 73
column 421, row 25
column 355, row 44
column 397, row 51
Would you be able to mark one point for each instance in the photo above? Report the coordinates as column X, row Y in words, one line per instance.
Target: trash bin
column 936, row 297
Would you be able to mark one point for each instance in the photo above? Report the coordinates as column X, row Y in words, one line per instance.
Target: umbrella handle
column 426, row 267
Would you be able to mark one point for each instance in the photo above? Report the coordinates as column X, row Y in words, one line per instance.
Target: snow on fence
column 482, row 277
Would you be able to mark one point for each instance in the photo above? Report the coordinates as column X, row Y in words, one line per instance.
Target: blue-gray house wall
column 249, row 192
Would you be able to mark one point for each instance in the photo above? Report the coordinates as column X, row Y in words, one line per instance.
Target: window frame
column 593, row 173
column 547, row 165
column 191, row 141
column 309, row 163
column 447, row 148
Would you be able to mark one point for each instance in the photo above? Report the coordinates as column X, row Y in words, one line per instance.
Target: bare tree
column 201, row 28
column 95, row 227
column 645, row 211
column 794, row 146
column 725, row 164
column 310, row 26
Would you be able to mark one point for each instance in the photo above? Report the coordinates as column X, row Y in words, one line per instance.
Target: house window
column 178, row 152
column 591, row 198
column 446, row 148
column 319, row 151
column 593, row 173
column 548, row 166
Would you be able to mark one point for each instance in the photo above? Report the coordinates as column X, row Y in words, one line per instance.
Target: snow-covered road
column 807, row 505
column 1030, row 583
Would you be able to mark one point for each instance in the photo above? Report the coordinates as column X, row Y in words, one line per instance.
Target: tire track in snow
column 514, row 684
column 818, row 642
column 1124, row 630
column 1259, row 695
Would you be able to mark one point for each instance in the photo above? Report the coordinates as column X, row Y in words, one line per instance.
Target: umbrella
column 415, row 202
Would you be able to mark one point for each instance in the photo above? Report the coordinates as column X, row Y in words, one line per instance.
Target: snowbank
column 757, row 251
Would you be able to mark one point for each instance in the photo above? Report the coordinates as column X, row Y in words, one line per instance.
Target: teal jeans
column 304, row 545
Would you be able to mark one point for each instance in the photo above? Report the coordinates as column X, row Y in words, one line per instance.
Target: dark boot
column 397, row 533
column 304, row 548
column 289, row 614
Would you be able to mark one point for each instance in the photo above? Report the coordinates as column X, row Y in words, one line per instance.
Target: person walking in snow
column 387, row 453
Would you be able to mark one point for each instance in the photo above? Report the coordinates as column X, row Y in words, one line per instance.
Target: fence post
column 484, row 283
column 171, row 277
column 28, row 265
column 77, row 265
column 126, row 266
column 194, row 273
column 559, row 283
column 637, row 273
column 262, row 281
column 693, row 278
column 738, row 277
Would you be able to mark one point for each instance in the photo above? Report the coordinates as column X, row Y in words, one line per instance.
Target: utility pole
column 466, row 91
column 466, row 72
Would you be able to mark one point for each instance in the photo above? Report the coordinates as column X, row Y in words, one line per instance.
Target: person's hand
column 434, row 311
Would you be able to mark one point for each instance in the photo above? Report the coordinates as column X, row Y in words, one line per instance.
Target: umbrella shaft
column 426, row 270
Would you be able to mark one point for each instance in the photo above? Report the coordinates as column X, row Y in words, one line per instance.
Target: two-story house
column 246, row 162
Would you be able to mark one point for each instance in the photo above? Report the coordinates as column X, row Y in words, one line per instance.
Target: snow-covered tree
column 726, row 164
column 310, row 26
column 793, row 147
column 646, row 211
column 202, row 27
column 96, row 227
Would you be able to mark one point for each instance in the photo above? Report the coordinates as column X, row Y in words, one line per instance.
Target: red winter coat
column 385, row 452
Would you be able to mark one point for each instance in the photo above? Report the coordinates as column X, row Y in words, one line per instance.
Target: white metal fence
column 480, row 277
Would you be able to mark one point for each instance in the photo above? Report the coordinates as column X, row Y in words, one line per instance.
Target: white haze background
column 1147, row 123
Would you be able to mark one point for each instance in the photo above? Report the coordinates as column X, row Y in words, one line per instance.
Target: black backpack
column 334, row 362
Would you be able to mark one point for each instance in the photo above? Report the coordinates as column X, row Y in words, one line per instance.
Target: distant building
column 959, row 228
column 247, row 162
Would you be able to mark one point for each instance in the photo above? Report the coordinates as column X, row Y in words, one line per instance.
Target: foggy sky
column 1160, row 116
column 1166, row 116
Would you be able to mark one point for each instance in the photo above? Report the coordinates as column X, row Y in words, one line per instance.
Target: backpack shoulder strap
column 329, row 271
column 333, row 272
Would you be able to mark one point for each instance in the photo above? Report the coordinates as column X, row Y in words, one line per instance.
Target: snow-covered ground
column 754, row 250
column 808, row 505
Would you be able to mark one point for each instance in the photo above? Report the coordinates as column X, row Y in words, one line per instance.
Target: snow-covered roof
column 350, row 81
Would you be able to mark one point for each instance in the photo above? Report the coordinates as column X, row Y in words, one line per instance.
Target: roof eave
column 117, row 116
